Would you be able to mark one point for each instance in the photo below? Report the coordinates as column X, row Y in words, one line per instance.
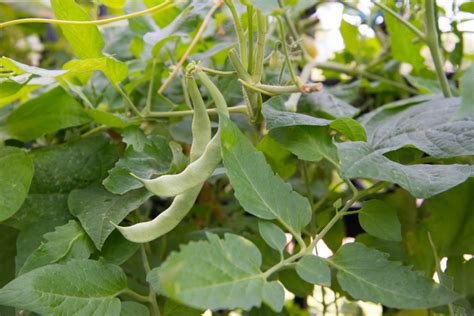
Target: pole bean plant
column 182, row 158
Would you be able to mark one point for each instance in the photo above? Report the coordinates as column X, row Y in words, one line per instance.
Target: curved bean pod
column 182, row 204
column 202, row 168
column 195, row 173
column 165, row 221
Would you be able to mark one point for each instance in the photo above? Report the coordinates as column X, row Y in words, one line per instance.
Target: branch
column 196, row 38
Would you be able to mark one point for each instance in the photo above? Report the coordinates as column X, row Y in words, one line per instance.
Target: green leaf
column 206, row 274
column 428, row 126
column 280, row 159
column 328, row 103
column 65, row 243
column 450, row 220
column 117, row 249
column 467, row 93
column 134, row 309
column 172, row 308
column 86, row 40
column 311, row 143
column 367, row 275
column 380, row 220
column 275, row 118
column 16, row 172
column 12, row 85
column 467, row 7
column 359, row 160
column 273, row 235
column 73, row 165
column 424, row 85
column 79, row 287
column 48, row 113
column 97, row 208
column 115, row 4
column 402, row 43
column 314, row 269
column 110, row 119
column 39, row 214
column 266, row 6
column 350, row 128
column 8, row 238
column 258, row 189
column 113, row 69
column 7, row 254
column 19, row 68
column 145, row 157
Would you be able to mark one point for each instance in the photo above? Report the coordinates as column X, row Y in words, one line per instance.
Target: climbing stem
column 239, row 30
column 195, row 40
column 355, row 71
column 286, row 53
column 400, row 19
column 158, row 8
column 234, row 109
column 432, row 41
column 260, row 46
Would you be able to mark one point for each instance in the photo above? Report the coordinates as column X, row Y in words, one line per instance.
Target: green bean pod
column 182, row 203
column 202, row 168
column 195, row 173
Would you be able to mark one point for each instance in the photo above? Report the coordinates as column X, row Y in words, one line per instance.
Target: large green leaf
column 145, row 157
column 72, row 165
column 450, row 219
column 134, row 309
column 325, row 102
column 380, row 220
column 311, row 143
column 20, row 68
column 209, row 274
column 428, row 126
column 367, row 274
column 85, row 40
column 97, row 208
column 314, row 269
column 402, row 43
column 258, row 189
column 275, row 118
column 16, row 172
column 65, row 243
column 273, row 235
column 115, row 70
column 467, row 93
column 8, row 237
column 47, row 113
column 360, row 160
column 79, row 287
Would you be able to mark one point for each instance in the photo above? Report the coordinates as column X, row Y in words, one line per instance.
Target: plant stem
column 131, row 105
column 405, row 22
column 433, row 44
column 332, row 66
column 286, row 53
column 234, row 109
column 196, row 38
column 218, row 72
column 260, row 46
column 94, row 131
column 292, row 103
column 158, row 8
column 239, row 30
column 136, row 296
column 438, row 268
column 149, row 97
column 146, row 267
column 250, row 37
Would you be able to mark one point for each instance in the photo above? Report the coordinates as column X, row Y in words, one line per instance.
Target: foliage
column 168, row 158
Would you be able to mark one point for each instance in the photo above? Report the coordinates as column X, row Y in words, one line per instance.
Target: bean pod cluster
column 205, row 156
